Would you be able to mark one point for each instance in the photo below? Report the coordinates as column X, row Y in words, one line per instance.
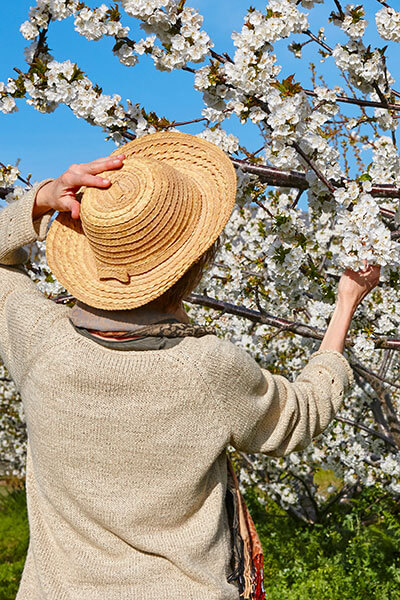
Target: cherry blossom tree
column 272, row 287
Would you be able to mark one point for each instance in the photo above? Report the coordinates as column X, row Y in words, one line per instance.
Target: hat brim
column 68, row 250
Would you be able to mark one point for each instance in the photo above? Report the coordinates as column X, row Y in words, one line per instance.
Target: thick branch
column 297, row 179
column 298, row 328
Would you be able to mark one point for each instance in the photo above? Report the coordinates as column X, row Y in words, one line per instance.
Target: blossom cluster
column 364, row 66
column 363, row 237
column 388, row 24
column 352, row 20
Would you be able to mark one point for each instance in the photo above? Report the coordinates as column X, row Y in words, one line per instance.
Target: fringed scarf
column 247, row 555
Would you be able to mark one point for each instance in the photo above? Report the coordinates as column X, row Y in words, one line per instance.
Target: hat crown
column 147, row 213
column 205, row 181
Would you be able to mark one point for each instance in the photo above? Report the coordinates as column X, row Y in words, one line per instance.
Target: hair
column 189, row 280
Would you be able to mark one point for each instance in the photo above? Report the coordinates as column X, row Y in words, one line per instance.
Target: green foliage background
column 14, row 538
column 353, row 555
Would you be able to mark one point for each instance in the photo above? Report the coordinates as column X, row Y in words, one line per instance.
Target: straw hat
column 165, row 207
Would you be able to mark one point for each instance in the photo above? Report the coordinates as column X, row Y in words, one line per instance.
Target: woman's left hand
column 60, row 194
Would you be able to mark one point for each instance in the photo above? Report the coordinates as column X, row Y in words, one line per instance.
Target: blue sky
column 48, row 143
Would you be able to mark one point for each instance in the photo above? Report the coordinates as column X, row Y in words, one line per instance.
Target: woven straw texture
column 166, row 206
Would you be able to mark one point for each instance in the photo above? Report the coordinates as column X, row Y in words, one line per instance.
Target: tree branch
column 320, row 42
column 297, row 179
column 264, row 318
column 368, row 430
column 312, row 166
column 363, row 370
column 358, row 101
column 25, row 181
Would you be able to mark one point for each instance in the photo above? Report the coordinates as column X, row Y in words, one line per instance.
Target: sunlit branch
column 297, row 179
column 296, row 327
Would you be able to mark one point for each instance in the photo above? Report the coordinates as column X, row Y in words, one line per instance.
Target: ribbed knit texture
column 126, row 467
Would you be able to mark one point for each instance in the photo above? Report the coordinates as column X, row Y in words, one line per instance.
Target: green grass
column 353, row 555
column 14, row 537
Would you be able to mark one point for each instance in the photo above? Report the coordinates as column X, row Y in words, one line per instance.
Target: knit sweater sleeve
column 24, row 310
column 269, row 414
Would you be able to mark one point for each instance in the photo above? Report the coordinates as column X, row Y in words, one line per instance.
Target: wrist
column 346, row 305
column 42, row 203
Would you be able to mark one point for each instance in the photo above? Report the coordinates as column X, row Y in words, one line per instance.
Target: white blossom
column 388, row 24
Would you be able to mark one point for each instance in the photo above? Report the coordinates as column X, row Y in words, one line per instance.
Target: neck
column 97, row 318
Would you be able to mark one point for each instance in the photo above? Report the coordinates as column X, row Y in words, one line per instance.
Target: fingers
column 83, row 174
column 93, row 181
column 104, row 164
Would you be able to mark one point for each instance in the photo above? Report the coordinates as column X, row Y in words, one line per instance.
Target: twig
column 261, row 205
column 320, row 42
column 222, row 58
column 384, row 100
column 384, row 3
column 358, row 101
column 296, row 200
column 312, row 166
column 174, row 124
column 340, row 9
column 363, row 370
column 368, row 430
column 25, row 181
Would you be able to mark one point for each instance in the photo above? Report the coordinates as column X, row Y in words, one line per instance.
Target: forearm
column 335, row 336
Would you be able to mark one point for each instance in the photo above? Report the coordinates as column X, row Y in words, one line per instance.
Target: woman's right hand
column 60, row 194
column 355, row 285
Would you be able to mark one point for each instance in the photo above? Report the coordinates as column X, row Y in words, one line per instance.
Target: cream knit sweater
column 126, row 467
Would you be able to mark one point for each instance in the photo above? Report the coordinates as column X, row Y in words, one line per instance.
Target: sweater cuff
column 17, row 227
column 345, row 365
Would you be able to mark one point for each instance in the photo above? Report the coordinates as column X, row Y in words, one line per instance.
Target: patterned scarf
column 247, row 555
